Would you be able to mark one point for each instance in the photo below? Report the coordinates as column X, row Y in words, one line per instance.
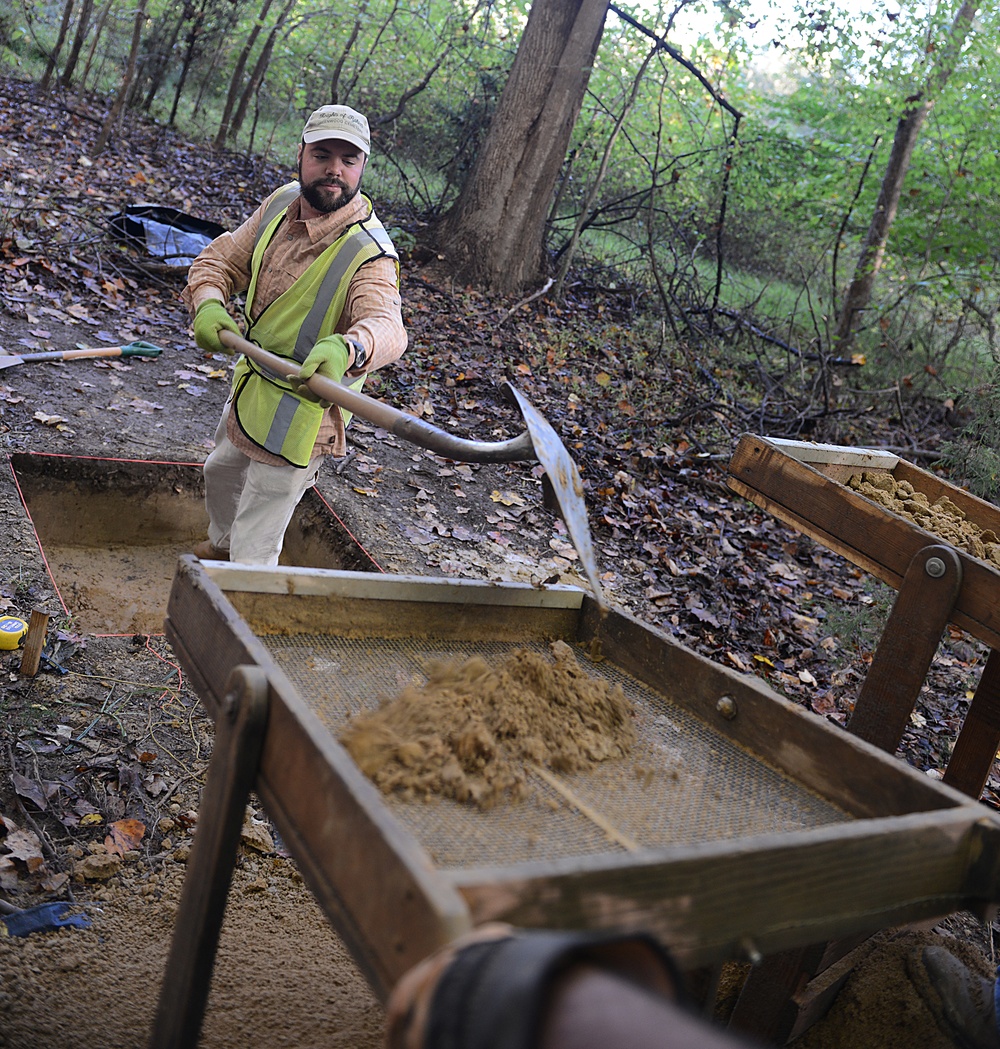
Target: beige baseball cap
column 338, row 122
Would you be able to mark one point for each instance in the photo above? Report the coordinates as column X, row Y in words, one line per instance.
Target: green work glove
column 210, row 318
column 328, row 357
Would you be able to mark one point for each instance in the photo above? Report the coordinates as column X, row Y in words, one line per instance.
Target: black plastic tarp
column 164, row 233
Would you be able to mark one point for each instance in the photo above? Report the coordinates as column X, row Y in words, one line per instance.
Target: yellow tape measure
column 12, row 631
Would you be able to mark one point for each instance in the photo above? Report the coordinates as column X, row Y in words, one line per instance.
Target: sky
column 766, row 17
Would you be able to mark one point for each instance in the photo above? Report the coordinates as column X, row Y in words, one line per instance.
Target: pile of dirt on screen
column 942, row 517
column 473, row 731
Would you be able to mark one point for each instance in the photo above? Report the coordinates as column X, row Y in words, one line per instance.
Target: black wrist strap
column 360, row 355
column 494, row 994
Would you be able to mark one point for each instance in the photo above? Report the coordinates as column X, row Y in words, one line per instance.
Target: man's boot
column 960, row 999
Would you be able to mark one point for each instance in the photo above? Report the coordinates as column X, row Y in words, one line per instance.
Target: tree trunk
column 494, row 235
column 81, row 33
column 50, row 66
column 234, row 84
column 191, row 41
column 98, row 29
column 260, row 68
column 907, row 132
column 163, row 59
column 123, row 90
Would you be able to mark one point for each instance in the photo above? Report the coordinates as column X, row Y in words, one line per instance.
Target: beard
column 318, row 194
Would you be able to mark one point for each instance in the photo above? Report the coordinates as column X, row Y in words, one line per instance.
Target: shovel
column 132, row 349
column 538, row 443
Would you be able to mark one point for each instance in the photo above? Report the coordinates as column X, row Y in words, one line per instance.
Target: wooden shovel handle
column 402, row 424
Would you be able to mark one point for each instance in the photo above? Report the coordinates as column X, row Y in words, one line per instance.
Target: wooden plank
column 979, row 738
column 34, row 642
column 837, row 454
column 766, row 1008
column 710, row 902
column 849, row 772
column 231, row 774
column 267, row 579
column 911, row 636
column 781, row 997
column 867, row 534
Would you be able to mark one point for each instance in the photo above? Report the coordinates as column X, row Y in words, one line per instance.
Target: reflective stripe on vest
column 278, row 203
column 364, row 244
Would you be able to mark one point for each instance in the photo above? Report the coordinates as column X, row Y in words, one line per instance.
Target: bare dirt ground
column 105, row 750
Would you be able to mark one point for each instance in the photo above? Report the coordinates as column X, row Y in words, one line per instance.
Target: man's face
column 330, row 174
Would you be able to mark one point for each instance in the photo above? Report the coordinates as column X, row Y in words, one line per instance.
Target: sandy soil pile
column 471, row 732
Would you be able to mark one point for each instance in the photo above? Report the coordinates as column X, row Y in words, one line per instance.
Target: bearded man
column 321, row 280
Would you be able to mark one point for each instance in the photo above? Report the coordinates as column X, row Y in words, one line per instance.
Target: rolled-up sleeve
column 373, row 313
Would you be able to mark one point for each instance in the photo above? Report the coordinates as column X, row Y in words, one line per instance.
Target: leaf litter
column 677, row 550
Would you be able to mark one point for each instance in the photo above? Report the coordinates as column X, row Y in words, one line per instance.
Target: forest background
column 797, row 201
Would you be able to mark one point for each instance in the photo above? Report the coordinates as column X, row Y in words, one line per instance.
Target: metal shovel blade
column 566, row 485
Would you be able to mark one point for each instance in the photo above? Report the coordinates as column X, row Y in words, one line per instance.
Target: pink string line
column 38, row 541
column 357, row 542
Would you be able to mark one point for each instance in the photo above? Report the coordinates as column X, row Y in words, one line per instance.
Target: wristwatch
column 360, row 355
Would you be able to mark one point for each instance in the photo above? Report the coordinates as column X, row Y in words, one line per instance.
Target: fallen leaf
column 49, row 420
column 506, row 498
column 145, row 407
column 55, row 883
column 737, row 662
column 23, row 845
column 35, row 792
column 124, row 836
column 155, row 784
column 563, row 549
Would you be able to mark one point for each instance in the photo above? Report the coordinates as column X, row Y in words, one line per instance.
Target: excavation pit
column 111, row 532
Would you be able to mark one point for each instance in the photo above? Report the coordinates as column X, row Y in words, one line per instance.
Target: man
column 321, row 279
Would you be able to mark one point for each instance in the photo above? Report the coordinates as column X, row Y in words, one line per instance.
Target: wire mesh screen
column 682, row 784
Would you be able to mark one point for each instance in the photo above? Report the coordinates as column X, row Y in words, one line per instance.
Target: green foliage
column 860, row 623
column 973, row 456
column 783, row 215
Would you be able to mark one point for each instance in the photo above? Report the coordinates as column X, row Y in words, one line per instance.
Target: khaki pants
column 249, row 503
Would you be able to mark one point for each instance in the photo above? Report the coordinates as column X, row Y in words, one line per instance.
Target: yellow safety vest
column 265, row 407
